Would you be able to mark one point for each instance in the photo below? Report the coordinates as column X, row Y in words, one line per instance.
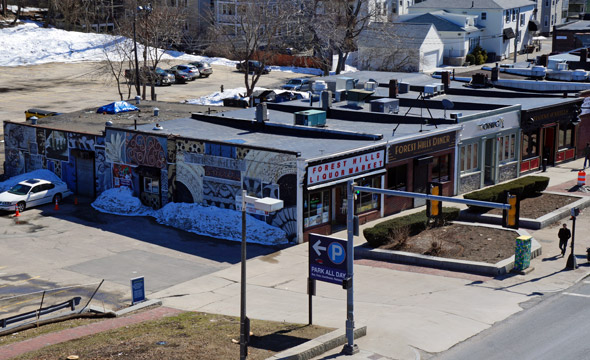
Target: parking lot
column 45, row 248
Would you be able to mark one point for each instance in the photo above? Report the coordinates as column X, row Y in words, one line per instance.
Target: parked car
column 33, row 192
column 252, row 66
column 147, row 75
column 179, row 77
column 205, row 68
column 190, row 70
column 297, row 85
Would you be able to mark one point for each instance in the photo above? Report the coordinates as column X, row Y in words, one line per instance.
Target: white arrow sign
column 318, row 248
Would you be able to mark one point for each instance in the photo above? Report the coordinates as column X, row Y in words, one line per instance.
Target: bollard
column 156, row 111
column 581, row 178
column 137, row 100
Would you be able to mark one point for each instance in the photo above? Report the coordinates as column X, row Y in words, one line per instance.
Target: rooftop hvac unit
column 404, row 88
column 562, row 66
column 340, row 95
column 370, row 86
column 345, row 83
column 456, row 116
column 385, row 105
column 429, row 90
column 310, row 118
column 356, row 98
column 318, row 86
column 439, row 88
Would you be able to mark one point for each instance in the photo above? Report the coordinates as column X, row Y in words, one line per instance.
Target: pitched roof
column 473, row 4
column 440, row 23
column 405, row 34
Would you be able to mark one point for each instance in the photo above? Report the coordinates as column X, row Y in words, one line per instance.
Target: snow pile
column 30, row 43
column 203, row 220
column 37, row 174
column 219, row 223
column 216, row 99
column 120, row 201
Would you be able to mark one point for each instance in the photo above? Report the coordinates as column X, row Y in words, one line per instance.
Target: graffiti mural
column 19, row 136
column 122, row 176
column 191, row 176
column 164, row 186
column 56, row 145
column 34, row 162
column 68, row 173
column 145, row 150
column 115, row 146
column 40, row 141
column 15, row 162
column 81, row 141
column 103, row 171
column 220, row 192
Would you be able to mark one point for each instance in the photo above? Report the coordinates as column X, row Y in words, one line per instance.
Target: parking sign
column 327, row 258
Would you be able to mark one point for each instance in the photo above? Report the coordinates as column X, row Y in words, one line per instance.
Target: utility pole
column 516, row 35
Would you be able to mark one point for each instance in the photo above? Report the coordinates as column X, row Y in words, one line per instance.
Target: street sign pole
column 350, row 348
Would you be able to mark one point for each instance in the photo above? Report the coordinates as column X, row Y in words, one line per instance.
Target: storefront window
column 151, row 185
column 316, row 208
column 469, row 156
column 368, row 201
column 530, row 142
column 441, row 168
column 566, row 136
column 397, row 177
column 507, row 147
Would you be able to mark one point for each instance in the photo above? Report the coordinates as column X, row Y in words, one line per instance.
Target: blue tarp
column 116, row 107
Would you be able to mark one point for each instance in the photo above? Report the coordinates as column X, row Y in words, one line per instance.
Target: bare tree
column 255, row 30
column 119, row 56
column 4, row 6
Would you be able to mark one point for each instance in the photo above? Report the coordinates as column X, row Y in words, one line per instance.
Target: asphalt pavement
column 410, row 312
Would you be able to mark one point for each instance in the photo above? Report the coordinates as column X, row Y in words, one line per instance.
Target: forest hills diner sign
column 421, row 146
column 345, row 167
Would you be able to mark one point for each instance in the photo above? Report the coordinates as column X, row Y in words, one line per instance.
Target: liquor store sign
column 345, row 167
column 421, row 146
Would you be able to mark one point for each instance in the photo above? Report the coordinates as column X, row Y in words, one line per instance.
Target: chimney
column 495, row 73
column 261, row 113
column 326, row 100
column 393, row 90
column 446, row 80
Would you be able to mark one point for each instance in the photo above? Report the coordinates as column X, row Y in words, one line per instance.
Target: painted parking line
column 574, row 294
column 19, row 281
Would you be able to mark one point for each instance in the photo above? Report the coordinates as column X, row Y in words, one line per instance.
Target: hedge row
column 380, row 234
column 524, row 187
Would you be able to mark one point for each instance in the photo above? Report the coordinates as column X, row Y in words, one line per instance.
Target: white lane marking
column 574, row 294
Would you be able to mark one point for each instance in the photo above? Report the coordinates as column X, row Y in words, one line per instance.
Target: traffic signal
column 511, row 216
column 434, row 207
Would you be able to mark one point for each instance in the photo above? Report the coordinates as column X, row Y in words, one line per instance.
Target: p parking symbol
column 336, row 253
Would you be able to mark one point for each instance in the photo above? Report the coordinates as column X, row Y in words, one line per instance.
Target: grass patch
column 45, row 329
column 189, row 335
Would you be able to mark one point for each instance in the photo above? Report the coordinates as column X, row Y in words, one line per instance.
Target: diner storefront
column 325, row 197
column 412, row 165
column 488, row 149
column 549, row 134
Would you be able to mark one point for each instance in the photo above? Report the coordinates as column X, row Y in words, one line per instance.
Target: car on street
column 252, row 66
column 297, row 85
column 33, row 192
column 190, row 70
column 205, row 68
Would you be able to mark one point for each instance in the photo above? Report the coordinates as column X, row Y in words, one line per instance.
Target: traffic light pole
column 571, row 260
column 350, row 348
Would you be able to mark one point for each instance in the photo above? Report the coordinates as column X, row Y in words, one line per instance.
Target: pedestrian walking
column 587, row 155
column 564, row 234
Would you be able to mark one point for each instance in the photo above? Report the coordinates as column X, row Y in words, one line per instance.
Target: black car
column 147, row 75
column 252, row 66
column 179, row 77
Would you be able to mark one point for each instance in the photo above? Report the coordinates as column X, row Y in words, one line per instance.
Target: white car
column 33, row 192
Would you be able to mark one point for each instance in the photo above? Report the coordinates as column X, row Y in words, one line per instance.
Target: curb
column 474, row 267
column 532, row 224
column 318, row 346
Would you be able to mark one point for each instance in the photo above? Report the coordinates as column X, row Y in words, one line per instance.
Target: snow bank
column 37, row 174
column 120, row 201
column 202, row 220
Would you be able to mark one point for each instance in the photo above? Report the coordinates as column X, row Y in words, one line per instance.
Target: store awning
column 508, row 34
column 534, row 25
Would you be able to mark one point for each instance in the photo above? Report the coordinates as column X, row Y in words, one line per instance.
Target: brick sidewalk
column 9, row 351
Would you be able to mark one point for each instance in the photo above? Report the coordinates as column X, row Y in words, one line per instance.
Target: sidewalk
column 410, row 312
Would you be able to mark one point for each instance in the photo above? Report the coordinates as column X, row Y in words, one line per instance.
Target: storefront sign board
column 345, row 167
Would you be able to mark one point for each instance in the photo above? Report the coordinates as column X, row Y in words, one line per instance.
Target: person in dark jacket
column 586, row 154
column 564, row 235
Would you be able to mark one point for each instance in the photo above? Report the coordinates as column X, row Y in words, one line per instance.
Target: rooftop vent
column 385, row 105
column 261, row 113
column 315, row 118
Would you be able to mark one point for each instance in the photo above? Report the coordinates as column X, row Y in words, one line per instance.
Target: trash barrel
column 522, row 254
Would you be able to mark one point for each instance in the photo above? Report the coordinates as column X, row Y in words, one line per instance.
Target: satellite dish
column 447, row 104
